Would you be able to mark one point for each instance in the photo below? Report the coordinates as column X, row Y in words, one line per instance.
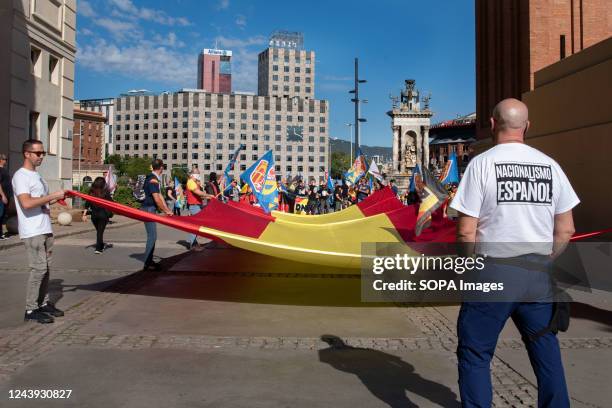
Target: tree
column 136, row 166
column 340, row 163
column 118, row 163
column 180, row 173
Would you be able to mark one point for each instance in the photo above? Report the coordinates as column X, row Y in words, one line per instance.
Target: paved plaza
column 259, row 334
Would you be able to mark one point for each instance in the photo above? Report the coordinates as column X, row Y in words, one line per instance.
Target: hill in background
column 343, row 146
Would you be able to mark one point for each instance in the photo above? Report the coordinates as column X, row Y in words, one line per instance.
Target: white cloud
column 240, row 43
column 223, row 4
column 86, row 32
column 85, row 9
column 127, row 9
column 241, row 21
column 144, row 59
column 171, row 40
column 118, row 28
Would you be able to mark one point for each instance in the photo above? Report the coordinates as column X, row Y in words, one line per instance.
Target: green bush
column 123, row 195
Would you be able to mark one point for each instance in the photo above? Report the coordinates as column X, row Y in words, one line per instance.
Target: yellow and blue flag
column 357, row 170
column 417, row 177
column 262, row 179
column 450, row 173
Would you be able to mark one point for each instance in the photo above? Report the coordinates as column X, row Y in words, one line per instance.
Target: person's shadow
column 386, row 376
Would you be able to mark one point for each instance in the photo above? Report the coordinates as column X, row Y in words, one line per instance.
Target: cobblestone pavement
column 23, row 344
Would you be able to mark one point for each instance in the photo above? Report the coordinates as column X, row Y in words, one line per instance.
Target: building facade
column 37, row 83
column 516, row 38
column 88, row 138
column 215, row 71
column 285, row 69
column 105, row 106
column 195, row 128
column 450, row 136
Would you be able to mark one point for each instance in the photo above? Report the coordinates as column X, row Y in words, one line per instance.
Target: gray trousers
column 39, row 250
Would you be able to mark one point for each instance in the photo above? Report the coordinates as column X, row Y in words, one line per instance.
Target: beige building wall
column 37, row 82
column 199, row 128
column 571, row 120
column 286, row 72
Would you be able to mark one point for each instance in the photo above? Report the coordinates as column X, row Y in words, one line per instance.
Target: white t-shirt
column 35, row 221
column 515, row 191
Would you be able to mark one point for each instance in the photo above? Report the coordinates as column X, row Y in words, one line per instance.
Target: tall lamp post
column 357, row 101
column 80, row 149
column 350, row 126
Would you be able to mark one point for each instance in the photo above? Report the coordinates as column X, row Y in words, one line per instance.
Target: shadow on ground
column 386, row 376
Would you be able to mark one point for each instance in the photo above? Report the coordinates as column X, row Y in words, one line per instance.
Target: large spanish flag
column 336, row 243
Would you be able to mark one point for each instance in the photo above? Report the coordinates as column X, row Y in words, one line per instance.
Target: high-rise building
column 516, row 38
column 106, row 107
column 37, row 83
column 285, row 69
column 215, row 71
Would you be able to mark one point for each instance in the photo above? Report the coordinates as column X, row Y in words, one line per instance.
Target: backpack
column 138, row 192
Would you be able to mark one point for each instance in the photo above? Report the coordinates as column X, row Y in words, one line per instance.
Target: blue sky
column 153, row 44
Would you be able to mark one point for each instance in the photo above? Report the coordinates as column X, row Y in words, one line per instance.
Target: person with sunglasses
column 32, row 200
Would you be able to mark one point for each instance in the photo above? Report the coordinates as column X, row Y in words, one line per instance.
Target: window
column 254, row 157
column 126, row 147
column 322, row 129
column 255, row 147
column 175, row 135
column 219, row 135
column 255, row 116
column 219, row 156
column 207, row 135
column 307, row 69
column 219, row 167
column 219, row 146
column 307, row 80
column 219, row 115
column 165, row 115
column 194, row 124
column 275, row 87
column 297, row 79
column 207, row 115
column 154, row 146
column 322, row 119
column 274, row 67
column 286, row 78
column 155, row 115
column 174, row 115
column 35, row 60
column 206, row 145
column 194, row 156
column 195, row 114
column 185, row 114
column 174, row 156
column 289, row 148
column 322, row 149
column 286, row 88
column 243, row 116
column 321, row 159
column 289, row 118
column 275, row 77
column 296, row 88
column 322, row 139
column 194, row 135
column 175, row 146
column 207, row 166
column 231, row 136
column 53, row 134
column 286, row 69
column 297, row 70
column 53, row 70
column 35, row 125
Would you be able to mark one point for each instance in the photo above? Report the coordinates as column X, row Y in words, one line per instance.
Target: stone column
column 419, row 146
column 396, row 143
column 426, row 146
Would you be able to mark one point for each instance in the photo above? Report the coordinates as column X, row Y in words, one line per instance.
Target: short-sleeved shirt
column 193, row 198
column 33, row 221
column 151, row 185
column 515, row 191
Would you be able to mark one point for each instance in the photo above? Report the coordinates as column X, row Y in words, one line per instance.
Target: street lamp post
column 357, row 102
column 80, row 149
column 350, row 126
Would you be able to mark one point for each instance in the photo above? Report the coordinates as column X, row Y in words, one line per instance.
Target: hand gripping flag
column 261, row 177
column 417, row 176
column 357, row 170
column 450, row 173
column 432, row 196
column 374, row 171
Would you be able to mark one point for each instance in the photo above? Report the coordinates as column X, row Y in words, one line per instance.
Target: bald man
column 515, row 208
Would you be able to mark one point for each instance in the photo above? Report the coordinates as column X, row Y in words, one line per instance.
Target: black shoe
column 51, row 310
column 154, row 266
column 3, row 237
column 38, row 316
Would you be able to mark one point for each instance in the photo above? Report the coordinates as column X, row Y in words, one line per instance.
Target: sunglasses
column 38, row 154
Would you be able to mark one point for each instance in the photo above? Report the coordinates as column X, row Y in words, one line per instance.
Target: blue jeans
column 151, row 228
column 193, row 210
column 478, row 328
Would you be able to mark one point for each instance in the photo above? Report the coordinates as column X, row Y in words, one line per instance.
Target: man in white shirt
column 32, row 200
column 514, row 202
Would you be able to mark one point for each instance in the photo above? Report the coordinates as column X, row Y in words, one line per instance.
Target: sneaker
column 50, row 309
column 97, row 251
column 38, row 316
column 3, row 237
